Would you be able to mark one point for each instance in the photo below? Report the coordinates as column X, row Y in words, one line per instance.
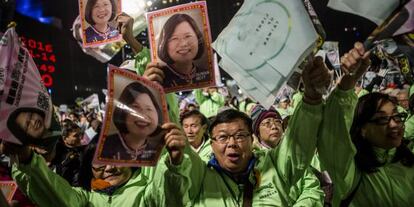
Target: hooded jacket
column 391, row 185
column 45, row 188
column 273, row 175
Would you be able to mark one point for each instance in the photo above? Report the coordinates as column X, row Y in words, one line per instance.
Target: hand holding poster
column 180, row 39
column 264, row 43
column 98, row 21
column 25, row 106
column 135, row 111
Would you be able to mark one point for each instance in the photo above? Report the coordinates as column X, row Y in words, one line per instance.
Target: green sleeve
column 218, row 98
column 297, row 148
column 183, row 182
column 141, row 61
column 311, row 193
column 335, row 148
column 199, row 97
column 409, row 128
column 44, row 187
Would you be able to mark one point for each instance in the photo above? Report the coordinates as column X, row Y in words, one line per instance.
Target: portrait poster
column 180, row 41
column 23, row 96
column 131, row 133
column 8, row 188
column 98, row 21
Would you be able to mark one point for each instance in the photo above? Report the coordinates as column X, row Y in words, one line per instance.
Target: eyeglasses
column 400, row 117
column 238, row 137
column 99, row 169
column 178, row 39
column 269, row 123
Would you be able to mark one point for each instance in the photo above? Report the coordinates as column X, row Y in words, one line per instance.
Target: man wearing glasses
column 235, row 176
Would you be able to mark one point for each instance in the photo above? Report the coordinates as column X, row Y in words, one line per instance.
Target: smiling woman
column 181, row 42
column 137, row 117
column 98, row 14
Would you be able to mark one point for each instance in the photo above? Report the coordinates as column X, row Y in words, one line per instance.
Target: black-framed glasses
column 399, row 118
column 268, row 123
column 238, row 137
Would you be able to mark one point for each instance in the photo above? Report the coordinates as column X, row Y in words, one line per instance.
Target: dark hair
column 15, row 129
column 411, row 104
column 88, row 11
column 127, row 97
column 230, row 115
column 167, row 32
column 365, row 157
column 69, row 128
column 194, row 112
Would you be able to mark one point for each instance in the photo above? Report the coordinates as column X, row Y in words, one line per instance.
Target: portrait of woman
column 180, row 44
column 137, row 118
column 98, row 14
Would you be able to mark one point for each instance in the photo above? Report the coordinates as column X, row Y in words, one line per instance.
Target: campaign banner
column 131, row 134
column 264, row 44
column 180, row 41
column 25, row 105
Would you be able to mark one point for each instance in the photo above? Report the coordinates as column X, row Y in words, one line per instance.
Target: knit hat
column 259, row 113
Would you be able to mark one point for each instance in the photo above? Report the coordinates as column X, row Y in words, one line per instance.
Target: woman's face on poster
column 144, row 120
column 183, row 43
column 31, row 123
column 102, row 11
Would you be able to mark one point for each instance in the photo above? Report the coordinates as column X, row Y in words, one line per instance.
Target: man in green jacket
column 236, row 176
column 113, row 186
column 195, row 126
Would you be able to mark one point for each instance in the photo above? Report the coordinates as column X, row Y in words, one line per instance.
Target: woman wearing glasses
column 181, row 42
column 362, row 147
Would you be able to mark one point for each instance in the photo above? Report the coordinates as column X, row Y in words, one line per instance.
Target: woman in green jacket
column 362, row 147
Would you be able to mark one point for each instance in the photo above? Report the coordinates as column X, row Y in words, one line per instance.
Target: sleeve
column 298, row 146
column 218, row 98
column 44, row 187
column 409, row 128
column 179, row 184
column 335, row 148
column 311, row 193
column 199, row 97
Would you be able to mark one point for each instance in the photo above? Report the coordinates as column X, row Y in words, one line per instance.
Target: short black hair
column 89, row 7
column 230, row 115
column 195, row 112
column 167, row 32
column 69, row 128
column 127, row 97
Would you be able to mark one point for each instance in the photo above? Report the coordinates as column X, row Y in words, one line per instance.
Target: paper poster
column 98, row 21
column 131, row 134
column 8, row 188
column 25, row 105
column 264, row 44
column 180, row 40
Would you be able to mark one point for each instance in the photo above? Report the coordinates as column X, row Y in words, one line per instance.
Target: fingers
column 154, row 72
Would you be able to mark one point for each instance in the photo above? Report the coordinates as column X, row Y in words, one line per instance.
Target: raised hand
column 315, row 76
column 354, row 63
column 125, row 26
column 154, row 72
column 175, row 141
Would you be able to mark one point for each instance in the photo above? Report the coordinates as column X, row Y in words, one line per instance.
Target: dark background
column 80, row 75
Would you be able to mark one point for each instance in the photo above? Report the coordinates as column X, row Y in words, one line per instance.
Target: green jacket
column 392, row 185
column 209, row 105
column 205, row 151
column 409, row 128
column 275, row 171
column 141, row 61
column 46, row 188
column 307, row 189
